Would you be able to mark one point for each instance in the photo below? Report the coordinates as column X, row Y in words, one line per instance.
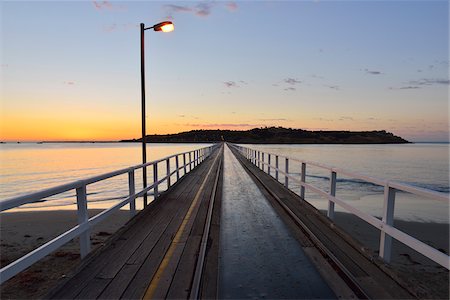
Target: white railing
column 385, row 225
column 190, row 160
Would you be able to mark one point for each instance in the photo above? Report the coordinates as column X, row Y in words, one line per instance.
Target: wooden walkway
column 155, row 254
column 158, row 254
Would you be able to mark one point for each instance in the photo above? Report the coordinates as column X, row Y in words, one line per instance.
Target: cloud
column 417, row 84
column 181, row 116
column 202, row 9
column 69, row 82
column 324, row 119
column 373, row 72
column 292, row 81
column 231, row 84
column 243, row 82
column 231, row 6
column 290, row 88
column 118, row 27
column 408, row 87
column 100, row 5
column 333, row 87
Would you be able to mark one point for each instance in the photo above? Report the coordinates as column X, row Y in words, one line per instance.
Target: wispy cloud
column 231, row 6
column 409, row 87
column 202, row 9
column 430, row 81
column 292, row 81
column 181, row 116
column 69, row 82
column 373, row 72
column 333, row 87
column 107, row 5
column 119, row 27
column 231, row 84
column 100, row 5
column 290, row 89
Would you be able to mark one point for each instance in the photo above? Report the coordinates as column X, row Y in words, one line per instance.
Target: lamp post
column 166, row 26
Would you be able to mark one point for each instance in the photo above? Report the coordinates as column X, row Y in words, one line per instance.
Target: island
column 276, row 135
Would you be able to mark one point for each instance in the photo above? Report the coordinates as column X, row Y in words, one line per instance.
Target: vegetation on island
column 277, row 135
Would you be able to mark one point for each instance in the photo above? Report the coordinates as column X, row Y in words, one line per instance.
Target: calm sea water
column 422, row 165
column 31, row 167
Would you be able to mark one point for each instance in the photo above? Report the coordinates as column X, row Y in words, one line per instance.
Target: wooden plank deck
column 375, row 281
column 155, row 254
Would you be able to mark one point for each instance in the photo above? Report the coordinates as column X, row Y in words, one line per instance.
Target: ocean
column 29, row 167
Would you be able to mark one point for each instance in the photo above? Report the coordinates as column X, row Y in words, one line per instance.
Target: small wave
column 431, row 186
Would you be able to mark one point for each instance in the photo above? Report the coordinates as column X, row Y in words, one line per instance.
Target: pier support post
column 303, row 179
column 155, row 182
column 83, row 218
column 286, row 169
column 184, row 163
column 330, row 212
column 268, row 164
column 388, row 219
column 131, row 192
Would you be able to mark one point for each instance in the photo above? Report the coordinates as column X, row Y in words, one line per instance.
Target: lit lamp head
column 166, row 26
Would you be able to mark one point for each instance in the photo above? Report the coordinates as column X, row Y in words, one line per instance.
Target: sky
column 70, row 70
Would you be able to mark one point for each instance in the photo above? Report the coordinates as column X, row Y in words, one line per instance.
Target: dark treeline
column 277, row 135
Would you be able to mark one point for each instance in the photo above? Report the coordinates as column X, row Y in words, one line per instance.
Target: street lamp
column 166, row 26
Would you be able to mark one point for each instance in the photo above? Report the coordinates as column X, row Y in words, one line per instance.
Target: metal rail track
column 197, row 281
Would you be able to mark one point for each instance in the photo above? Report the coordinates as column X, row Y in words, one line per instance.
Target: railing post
column 131, row 192
column 268, row 164
column 276, row 167
column 190, row 161
column 388, row 219
column 177, row 165
column 262, row 164
column 330, row 212
column 195, row 158
column 168, row 172
column 286, row 168
column 303, row 179
column 155, row 182
column 83, row 218
column 184, row 163
column 259, row 159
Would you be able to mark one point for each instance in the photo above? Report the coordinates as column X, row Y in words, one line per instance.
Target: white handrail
column 84, row 223
column 387, row 231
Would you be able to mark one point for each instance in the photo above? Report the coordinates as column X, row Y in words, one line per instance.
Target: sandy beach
column 22, row 232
